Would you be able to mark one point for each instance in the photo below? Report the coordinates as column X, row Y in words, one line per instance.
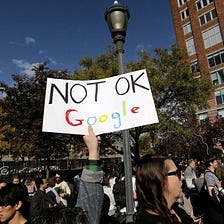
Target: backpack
column 210, row 202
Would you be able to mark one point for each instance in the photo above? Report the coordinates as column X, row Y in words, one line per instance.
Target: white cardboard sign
column 109, row 105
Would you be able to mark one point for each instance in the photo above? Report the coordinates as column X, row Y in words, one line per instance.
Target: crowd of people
column 165, row 191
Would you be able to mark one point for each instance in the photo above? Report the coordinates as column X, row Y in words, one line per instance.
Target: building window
column 203, row 116
column 184, row 14
column 195, row 66
column 187, row 28
column 207, row 17
column 190, row 46
column 216, row 58
column 181, row 2
column 219, row 96
column 203, row 3
column 217, row 77
column 221, row 112
column 212, row 37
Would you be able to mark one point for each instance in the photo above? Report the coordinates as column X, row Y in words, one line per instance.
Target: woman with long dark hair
column 158, row 187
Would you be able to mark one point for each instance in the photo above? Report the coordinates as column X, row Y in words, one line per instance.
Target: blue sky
column 63, row 32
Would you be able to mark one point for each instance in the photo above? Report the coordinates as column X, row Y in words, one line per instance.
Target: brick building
column 199, row 29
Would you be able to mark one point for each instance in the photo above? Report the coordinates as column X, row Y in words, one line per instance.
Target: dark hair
column 200, row 170
column 11, row 194
column 39, row 181
column 61, row 216
column 210, row 160
column 119, row 193
column 106, row 181
column 16, row 177
column 151, row 178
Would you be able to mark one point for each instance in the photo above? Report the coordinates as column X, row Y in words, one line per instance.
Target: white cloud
column 142, row 48
column 30, row 40
column 16, row 43
column 27, row 41
column 25, row 66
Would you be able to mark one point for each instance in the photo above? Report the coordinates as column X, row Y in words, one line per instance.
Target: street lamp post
column 117, row 16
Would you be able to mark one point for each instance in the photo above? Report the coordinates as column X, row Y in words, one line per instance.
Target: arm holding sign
column 90, row 197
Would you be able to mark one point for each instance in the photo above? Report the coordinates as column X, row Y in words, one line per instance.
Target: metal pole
column 126, row 148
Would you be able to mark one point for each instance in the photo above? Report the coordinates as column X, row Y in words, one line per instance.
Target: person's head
column 192, row 164
column 58, row 178
column 62, row 216
column 13, row 202
column 41, row 183
column 28, row 181
column 2, row 183
column 200, row 170
column 51, row 182
column 212, row 163
column 16, row 179
column 158, row 184
column 106, row 181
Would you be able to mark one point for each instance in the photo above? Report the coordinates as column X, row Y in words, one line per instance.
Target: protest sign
column 111, row 104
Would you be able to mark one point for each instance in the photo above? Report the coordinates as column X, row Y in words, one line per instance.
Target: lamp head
column 117, row 16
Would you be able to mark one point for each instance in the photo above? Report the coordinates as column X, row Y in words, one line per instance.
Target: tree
column 175, row 90
column 212, row 135
column 4, row 129
column 23, row 108
column 103, row 66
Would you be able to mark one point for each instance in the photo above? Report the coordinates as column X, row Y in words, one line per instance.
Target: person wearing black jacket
column 40, row 202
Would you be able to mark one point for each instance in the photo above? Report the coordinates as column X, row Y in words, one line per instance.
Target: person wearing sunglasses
column 158, row 187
